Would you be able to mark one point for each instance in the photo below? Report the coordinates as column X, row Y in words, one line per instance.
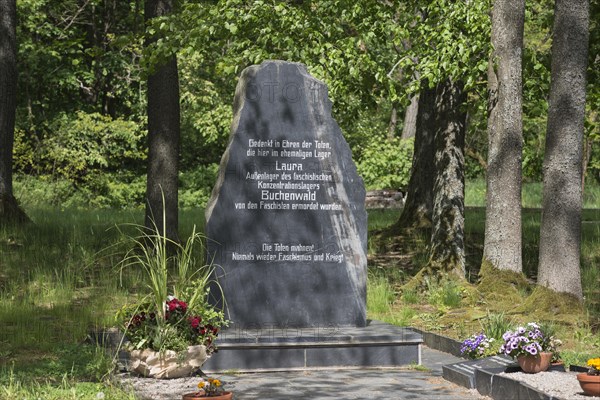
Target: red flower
column 194, row 321
column 182, row 305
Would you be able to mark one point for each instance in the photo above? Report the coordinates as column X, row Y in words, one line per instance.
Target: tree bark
column 560, row 229
column 409, row 129
column 163, row 138
column 502, row 243
column 419, row 199
column 447, row 239
column 393, row 122
column 9, row 208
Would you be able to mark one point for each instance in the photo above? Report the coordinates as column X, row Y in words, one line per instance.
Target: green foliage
column 196, row 186
column 79, row 60
column 386, row 164
column 343, row 43
column 380, row 294
column 445, row 293
column 495, row 324
column 450, row 39
column 178, row 282
column 93, row 143
column 410, row 297
column 116, row 191
column 77, row 56
column 14, row 384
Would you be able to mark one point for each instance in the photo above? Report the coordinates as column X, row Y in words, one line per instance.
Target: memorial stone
column 286, row 221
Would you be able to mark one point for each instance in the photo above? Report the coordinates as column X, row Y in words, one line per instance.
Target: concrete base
column 279, row 349
column 464, row 373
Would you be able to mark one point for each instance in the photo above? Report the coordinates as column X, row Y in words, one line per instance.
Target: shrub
column 196, row 185
column 386, row 164
column 89, row 144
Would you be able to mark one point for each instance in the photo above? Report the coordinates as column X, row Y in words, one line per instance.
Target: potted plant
column 532, row 347
column 476, row 346
column 171, row 329
column 209, row 389
column 590, row 381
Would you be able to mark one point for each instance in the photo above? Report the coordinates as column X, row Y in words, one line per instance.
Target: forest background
column 81, row 142
column 81, row 125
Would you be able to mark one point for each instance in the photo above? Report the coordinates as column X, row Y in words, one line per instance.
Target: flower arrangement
column 527, row 340
column 594, row 364
column 181, row 327
column 476, row 346
column 175, row 312
column 212, row 387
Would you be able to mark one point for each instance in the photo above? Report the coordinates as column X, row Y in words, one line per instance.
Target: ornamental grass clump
column 175, row 312
column 476, row 346
column 527, row 340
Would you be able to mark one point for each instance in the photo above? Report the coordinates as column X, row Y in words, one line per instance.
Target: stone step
column 284, row 349
column 464, row 372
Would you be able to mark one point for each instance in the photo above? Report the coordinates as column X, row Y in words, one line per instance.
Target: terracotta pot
column 200, row 396
column 534, row 364
column 590, row 384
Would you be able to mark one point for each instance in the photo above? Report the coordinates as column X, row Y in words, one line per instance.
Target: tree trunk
column 447, row 239
column 587, row 156
column 409, row 129
column 393, row 122
column 560, row 230
column 163, row 138
column 419, row 199
column 502, row 245
column 9, row 208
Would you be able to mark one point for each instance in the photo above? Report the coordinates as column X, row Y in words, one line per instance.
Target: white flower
column 100, row 395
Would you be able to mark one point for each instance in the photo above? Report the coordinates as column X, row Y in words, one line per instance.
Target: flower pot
column 201, row 396
column 590, row 384
column 168, row 364
column 534, row 364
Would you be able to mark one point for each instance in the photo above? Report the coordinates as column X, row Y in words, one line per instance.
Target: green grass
column 531, row 194
column 57, row 284
column 439, row 309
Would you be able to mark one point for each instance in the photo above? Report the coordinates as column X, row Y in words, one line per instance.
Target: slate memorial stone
column 286, row 221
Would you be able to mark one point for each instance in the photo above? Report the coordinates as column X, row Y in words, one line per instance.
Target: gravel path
column 563, row 385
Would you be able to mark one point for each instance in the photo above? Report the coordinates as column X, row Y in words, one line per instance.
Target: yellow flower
column 216, row 382
column 594, row 362
column 201, row 384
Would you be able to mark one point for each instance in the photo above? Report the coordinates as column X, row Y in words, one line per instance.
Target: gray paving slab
column 372, row 384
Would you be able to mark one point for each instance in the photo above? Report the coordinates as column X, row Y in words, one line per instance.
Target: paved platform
column 282, row 349
column 372, row 384
column 314, row 384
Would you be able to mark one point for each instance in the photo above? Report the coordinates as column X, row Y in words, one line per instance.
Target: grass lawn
column 459, row 311
column 57, row 284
